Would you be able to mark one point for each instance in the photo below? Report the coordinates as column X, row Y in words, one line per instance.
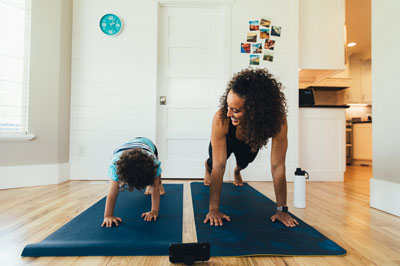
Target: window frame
column 23, row 134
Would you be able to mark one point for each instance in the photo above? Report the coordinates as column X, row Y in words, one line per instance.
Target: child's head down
column 136, row 168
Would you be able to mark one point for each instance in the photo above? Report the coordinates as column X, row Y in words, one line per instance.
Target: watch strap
column 282, row 208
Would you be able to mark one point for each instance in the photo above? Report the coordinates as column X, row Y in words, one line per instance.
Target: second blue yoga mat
column 251, row 231
column 84, row 236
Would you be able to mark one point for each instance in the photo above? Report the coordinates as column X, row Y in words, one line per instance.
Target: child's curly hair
column 136, row 168
column 265, row 105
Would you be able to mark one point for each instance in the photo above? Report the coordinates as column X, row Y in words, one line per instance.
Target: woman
column 252, row 110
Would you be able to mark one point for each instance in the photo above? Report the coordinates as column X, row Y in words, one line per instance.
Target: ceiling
column 358, row 27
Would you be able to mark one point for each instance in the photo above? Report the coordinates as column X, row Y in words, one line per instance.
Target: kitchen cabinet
column 322, row 143
column 329, row 82
column 334, row 82
column 321, row 39
column 366, row 85
column 362, row 141
column 360, row 90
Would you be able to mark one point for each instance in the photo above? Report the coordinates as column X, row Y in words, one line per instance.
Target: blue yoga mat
column 250, row 231
column 84, row 236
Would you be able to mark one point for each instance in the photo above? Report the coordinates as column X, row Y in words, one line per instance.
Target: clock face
column 110, row 24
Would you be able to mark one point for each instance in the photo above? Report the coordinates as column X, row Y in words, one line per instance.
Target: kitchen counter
column 322, row 143
column 361, row 122
column 322, row 106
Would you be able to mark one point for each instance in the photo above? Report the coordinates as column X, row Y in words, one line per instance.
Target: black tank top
column 232, row 140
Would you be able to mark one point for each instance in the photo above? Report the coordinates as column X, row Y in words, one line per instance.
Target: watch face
column 110, row 24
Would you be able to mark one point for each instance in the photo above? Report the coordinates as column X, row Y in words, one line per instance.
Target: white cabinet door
column 362, row 141
column 366, row 86
column 190, row 76
column 361, row 89
column 321, row 34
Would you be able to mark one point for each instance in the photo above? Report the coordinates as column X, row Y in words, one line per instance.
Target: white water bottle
column 299, row 197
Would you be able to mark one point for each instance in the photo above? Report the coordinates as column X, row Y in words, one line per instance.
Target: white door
column 191, row 77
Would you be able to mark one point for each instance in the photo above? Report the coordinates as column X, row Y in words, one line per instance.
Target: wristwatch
column 282, row 208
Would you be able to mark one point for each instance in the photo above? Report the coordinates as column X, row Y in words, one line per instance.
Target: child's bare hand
column 148, row 216
column 109, row 220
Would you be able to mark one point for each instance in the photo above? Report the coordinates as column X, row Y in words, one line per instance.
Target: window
column 14, row 66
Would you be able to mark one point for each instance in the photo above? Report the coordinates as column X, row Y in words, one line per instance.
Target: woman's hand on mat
column 215, row 217
column 284, row 218
column 148, row 216
column 109, row 220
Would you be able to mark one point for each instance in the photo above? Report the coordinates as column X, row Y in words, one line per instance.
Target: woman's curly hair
column 136, row 168
column 265, row 105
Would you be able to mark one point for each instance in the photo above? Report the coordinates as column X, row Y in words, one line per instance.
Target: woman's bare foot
column 238, row 177
column 207, row 175
column 149, row 190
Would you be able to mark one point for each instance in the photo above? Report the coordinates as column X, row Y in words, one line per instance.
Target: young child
column 136, row 164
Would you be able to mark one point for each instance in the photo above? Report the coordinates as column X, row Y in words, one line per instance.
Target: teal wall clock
column 110, row 24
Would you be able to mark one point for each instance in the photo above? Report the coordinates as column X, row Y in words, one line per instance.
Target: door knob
column 163, row 100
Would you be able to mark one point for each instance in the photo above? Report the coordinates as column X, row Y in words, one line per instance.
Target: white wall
column 113, row 86
column 282, row 13
column 385, row 184
column 110, row 83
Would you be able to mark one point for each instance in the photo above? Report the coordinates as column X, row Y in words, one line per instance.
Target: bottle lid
column 299, row 172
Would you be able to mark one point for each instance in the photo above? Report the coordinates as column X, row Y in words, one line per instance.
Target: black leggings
column 242, row 153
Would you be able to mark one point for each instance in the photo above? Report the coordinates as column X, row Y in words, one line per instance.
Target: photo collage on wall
column 261, row 41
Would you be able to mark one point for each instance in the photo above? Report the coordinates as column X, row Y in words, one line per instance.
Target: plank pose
column 136, row 164
column 252, row 110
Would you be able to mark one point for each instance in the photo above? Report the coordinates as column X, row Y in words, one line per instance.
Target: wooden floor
column 338, row 210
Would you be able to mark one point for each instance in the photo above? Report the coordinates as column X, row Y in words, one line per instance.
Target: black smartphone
column 188, row 253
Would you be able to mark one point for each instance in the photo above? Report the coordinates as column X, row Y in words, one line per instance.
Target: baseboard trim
column 385, row 196
column 33, row 175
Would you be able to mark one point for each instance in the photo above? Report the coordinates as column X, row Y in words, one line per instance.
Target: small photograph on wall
column 276, row 31
column 252, row 36
column 268, row 56
column 257, row 48
column 264, row 33
column 245, row 48
column 265, row 22
column 254, row 59
column 254, row 25
column 269, row 44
